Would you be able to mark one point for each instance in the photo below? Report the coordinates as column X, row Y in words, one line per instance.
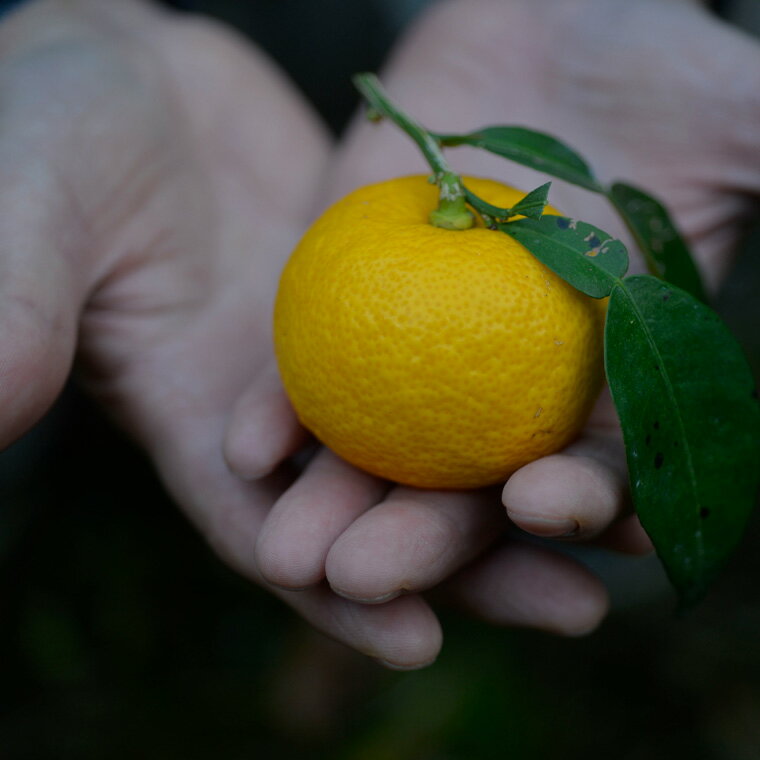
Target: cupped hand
column 156, row 173
column 630, row 86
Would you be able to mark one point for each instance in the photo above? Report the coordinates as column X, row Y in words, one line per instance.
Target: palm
column 182, row 321
column 184, row 239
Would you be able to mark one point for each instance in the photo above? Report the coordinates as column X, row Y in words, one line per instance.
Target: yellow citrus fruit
column 431, row 357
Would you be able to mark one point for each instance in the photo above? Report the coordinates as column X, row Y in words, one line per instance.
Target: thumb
column 40, row 298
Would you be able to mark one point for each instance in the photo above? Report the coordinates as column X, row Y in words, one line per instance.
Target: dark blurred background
column 122, row 636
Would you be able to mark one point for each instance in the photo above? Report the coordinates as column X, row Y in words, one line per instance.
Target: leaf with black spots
column 583, row 255
column 686, row 401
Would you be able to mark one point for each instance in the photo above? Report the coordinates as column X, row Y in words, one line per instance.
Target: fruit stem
column 452, row 212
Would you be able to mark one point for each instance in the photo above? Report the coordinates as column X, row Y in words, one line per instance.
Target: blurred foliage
column 122, row 636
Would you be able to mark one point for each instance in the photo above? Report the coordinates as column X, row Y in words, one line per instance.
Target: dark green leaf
column 587, row 257
column 689, row 412
column 534, row 203
column 665, row 251
column 531, row 206
column 534, row 149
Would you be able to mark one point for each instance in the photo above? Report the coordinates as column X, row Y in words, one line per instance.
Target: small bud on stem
column 452, row 212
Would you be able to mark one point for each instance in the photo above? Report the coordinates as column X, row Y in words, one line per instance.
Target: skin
column 145, row 229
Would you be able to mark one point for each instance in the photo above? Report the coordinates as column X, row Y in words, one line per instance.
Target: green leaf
column 583, row 255
column 531, row 206
column 534, row 203
column 689, row 412
column 534, row 149
column 665, row 251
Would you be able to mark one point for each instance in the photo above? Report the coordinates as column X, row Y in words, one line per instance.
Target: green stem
column 369, row 86
column 452, row 212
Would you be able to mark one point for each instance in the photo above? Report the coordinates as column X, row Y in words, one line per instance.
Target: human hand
column 156, row 173
column 642, row 108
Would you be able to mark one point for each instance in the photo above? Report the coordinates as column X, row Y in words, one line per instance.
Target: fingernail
column 546, row 527
column 250, row 474
column 396, row 666
column 366, row 599
column 251, row 477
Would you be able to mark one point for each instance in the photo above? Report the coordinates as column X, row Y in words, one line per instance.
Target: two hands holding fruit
column 171, row 170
